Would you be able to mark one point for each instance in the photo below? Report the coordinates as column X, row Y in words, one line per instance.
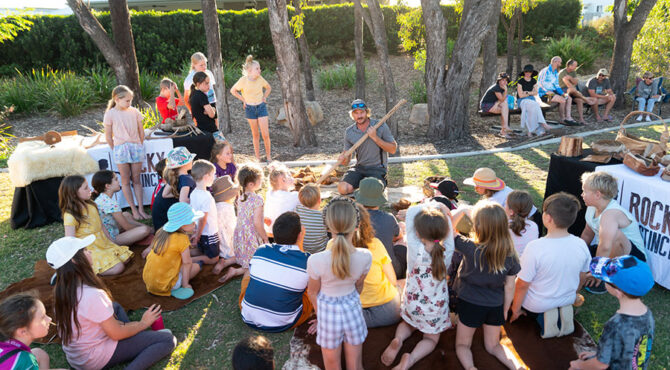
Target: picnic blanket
column 128, row 289
column 522, row 337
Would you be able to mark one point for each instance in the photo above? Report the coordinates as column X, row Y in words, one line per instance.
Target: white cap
column 63, row 249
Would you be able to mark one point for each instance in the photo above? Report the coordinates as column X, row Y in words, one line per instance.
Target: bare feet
column 231, row 273
column 404, row 362
column 137, row 216
column 390, row 353
column 222, row 264
column 144, row 215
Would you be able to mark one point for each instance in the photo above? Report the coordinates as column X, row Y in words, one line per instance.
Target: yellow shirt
column 161, row 272
column 377, row 289
column 252, row 91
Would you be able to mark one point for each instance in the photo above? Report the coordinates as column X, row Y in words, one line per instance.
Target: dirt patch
column 335, row 104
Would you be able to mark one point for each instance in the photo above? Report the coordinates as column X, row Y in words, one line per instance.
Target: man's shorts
column 209, row 245
column 354, row 175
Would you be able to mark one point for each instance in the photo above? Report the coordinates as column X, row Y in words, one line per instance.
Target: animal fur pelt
column 35, row 160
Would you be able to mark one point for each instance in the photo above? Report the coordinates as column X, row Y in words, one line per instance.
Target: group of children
column 211, row 213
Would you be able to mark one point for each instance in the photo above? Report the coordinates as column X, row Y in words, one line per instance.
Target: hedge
column 165, row 40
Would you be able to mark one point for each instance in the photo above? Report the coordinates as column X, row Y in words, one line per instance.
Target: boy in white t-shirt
column 206, row 235
column 553, row 269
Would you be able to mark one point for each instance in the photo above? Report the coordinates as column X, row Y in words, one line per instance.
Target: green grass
column 337, row 76
column 209, row 328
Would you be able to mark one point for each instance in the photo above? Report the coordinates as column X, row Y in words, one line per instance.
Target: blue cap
column 627, row 273
column 180, row 214
column 358, row 104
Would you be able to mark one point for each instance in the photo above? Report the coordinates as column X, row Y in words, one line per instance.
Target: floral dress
column 107, row 206
column 425, row 303
column 104, row 252
column 246, row 240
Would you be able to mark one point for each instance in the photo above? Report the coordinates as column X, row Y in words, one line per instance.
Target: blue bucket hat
column 180, row 214
column 627, row 273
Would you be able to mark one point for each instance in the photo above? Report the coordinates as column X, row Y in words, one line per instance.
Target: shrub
column 150, row 117
column 149, row 85
column 6, row 147
column 572, row 48
column 651, row 49
column 70, row 94
column 102, row 82
column 338, row 76
column 418, row 92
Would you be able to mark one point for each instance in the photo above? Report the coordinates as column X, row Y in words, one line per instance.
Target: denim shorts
column 128, row 153
column 256, row 111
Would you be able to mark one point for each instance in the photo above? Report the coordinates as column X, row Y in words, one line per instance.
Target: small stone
column 419, row 114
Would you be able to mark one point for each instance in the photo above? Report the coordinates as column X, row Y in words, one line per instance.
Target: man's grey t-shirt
column 626, row 341
column 369, row 154
column 598, row 86
column 386, row 228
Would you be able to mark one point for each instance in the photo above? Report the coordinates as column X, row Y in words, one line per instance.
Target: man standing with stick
column 371, row 155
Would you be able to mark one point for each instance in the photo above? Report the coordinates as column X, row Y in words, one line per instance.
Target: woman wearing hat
column 495, row 101
column 531, row 112
column 96, row 332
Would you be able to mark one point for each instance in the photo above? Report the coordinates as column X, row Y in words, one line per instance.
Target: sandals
column 504, row 134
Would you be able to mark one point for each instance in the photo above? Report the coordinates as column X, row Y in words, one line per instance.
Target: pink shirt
column 125, row 125
column 91, row 348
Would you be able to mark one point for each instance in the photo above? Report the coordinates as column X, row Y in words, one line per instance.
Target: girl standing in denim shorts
column 336, row 278
column 251, row 85
column 125, row 135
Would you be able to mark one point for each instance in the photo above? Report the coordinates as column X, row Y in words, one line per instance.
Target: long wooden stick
column 326, row 172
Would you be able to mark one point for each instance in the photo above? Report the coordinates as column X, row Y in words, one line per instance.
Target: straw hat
column 224, row 188
column 485, row 178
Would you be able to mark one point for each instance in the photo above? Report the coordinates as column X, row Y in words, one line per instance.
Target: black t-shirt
column 198, row 100
column 490, row 95
column 527, row 85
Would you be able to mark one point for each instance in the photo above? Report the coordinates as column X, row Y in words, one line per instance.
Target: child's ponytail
column 248, row 63
column 341, row 218
column 119, row 92
column 431, row 225
column 198, row 78
column 99, row 181
column 521, row 204
column 246, row 175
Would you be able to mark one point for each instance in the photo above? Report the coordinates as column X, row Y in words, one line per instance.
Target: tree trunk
column 490, row 53
column 519, row 43
column 358, row 50
column 436, row 44
column 211, row 21
column 288, row 69
column 625, row 32
column 306, row 57
column 475, row 23
column 125, row 44
column 101, row 39
column 510, row 41
column 379, row 35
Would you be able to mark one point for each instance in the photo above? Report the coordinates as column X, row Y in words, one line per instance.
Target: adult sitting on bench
column 531, row 112
column 550, row 91
column 600, row 88
column 495, row 101
column 567, row 80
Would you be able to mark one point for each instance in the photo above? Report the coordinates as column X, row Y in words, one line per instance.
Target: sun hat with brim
column 370, row 192
column 224, row 189
column 178, row 157
column 627, row 273
column 63, row 249
column 485, row 178
column 528, row 68
column 180, row 214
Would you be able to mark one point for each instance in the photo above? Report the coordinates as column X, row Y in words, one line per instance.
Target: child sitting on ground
column 446, row 192
column 249, row 230
column 628, row 335
column 81, row 218
column 225, row 192
column 121, row 226
column 253, row 353
column 518, row 206
column 206, row 235
column 485, row 283
column 309, row 210
column 552, row 269
column 169, row 268
column 179, row 184
column 222, row 157
column 23, row 319
column 607, row 223
column 166, row 102
column 280, row 198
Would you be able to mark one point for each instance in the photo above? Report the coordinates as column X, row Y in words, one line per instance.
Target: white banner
column 155, row 150
column 647, row 198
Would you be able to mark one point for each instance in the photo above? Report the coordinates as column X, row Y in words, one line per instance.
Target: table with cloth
column 35, row 202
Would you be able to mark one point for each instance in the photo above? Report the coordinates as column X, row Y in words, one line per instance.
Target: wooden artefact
column 647, row 148
column 571, row 146
column 50, row 137
column 326, row 172
column 643, row 166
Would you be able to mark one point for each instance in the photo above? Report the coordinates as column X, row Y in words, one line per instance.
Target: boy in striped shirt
column 312, row 219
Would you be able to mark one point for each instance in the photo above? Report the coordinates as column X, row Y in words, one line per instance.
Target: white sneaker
column 639, row 118
column 648, row 119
